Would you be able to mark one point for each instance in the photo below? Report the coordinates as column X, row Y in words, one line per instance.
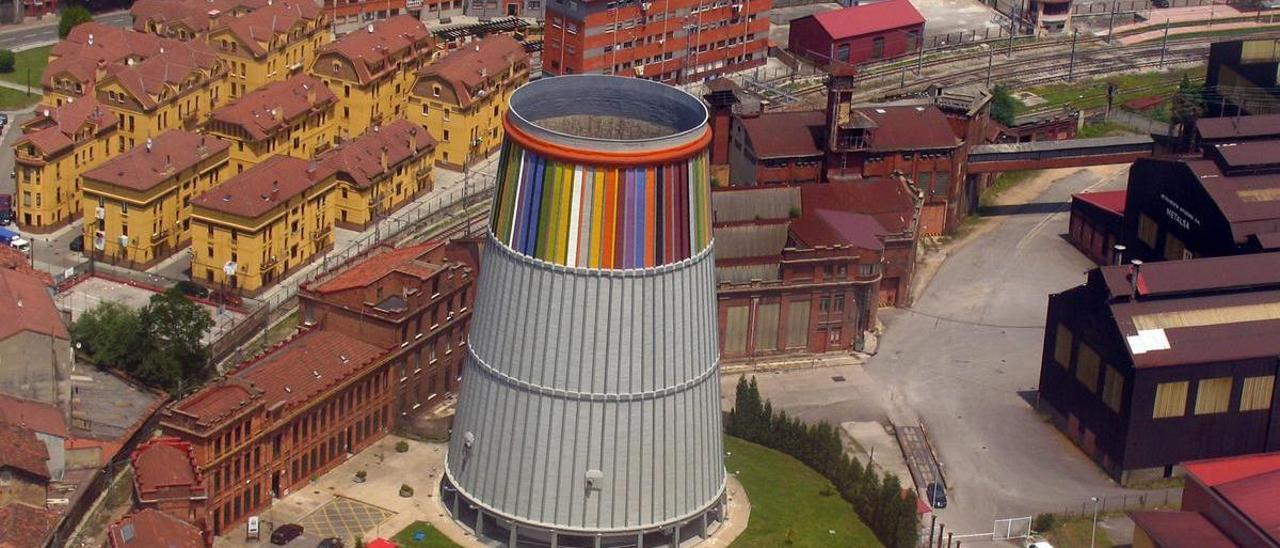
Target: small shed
column 858, row 34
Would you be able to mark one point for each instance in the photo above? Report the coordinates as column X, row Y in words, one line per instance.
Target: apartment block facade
column 270, row 44
column 57, row 146
column 673, row 41
column 379, row 172
column 137, row 205
column 293, row 118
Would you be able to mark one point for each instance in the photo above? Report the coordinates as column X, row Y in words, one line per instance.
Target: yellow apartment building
column 261, row 225
column 58, row 145
column 137, row 206
column 174, row 89
column 372, row 69
column 87, row 54
column 188, row 19
column 294, row 118
column 269, row 44
column 380, row 171
column 463, row 96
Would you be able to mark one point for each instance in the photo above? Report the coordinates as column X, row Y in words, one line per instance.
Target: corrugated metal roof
column 1261, row 125
column 749, row 204
column 1178, row 529
column 737, row 242
column 869, row 18
column 746, row 273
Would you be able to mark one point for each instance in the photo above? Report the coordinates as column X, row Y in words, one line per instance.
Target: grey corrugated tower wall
column 589, row 412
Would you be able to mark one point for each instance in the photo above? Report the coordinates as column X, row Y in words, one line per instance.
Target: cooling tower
column 589, row 412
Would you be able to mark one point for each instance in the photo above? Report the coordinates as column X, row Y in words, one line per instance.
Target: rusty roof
column 30, row 305
column 888, row 200
column 23, row 526
column 475, row 65
column 274, row 106
column 12, row 259
column 378, row 264
column 34, row 415
column 785, row 134
column 377, row 43
column 152, row 528
column 820, row 226
column 263, row 187
column 23, row 451
column 1239, row 127
column 143, row 167
column 360, row 161
column 908, row 127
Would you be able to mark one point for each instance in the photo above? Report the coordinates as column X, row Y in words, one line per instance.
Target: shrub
column 72, row 17
column 1043, row 522
column 405, row 490
column 402, row 446
column 361, row 475
column 6, row 60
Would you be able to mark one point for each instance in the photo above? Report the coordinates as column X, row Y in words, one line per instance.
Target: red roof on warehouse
column 869, row 18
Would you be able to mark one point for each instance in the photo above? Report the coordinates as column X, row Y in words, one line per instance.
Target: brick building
column 275, row 421
column 22, row 525
column 166, row 478
column 1225, row 502
column 1175, row 361
column 794, row 274
column 35, row 347
column 24, row 470
column 672, row 41
column 153, row 528
column 858, row 34
column 413, row 301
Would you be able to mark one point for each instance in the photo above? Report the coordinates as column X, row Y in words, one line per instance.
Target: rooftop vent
column 343, row 358
column 288, row 390
column 226, row 198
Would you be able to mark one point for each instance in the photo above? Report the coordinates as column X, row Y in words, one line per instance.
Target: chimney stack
column 383, row 157
column 1120, row 248
column 1135, row 270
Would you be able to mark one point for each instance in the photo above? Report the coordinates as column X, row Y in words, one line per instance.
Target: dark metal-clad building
column 1097, row 220
column 1226, row 203
column 1147, row 367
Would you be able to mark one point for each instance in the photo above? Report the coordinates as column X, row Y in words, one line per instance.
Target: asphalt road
column 965, row 360
column 48, row 33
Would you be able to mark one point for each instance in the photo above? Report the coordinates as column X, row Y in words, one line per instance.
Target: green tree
column 1185, row 108
column 72, row 17
column 7, row 60
column 1003, row 106
column 174, row 354
column 109, row 333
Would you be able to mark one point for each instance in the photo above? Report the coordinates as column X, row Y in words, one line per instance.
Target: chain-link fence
column 1155, row 498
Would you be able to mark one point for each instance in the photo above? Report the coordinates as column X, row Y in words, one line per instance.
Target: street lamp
column 228, row 270
column 1093, row 533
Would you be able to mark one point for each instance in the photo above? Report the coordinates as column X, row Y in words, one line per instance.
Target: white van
column 21, row 244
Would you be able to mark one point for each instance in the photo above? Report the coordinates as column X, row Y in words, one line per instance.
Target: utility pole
column 1111, row 21
column 1164, row 44
column 919, row 58
column 1071, row 65
column 991, row 59
column 1013, row 14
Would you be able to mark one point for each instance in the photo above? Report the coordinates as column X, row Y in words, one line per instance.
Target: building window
column 1255, row 394
column 1062, row 346
column 877, row 47
column 1171, row 400
column 842, row 53
column 1147, row 230
column 1113, row 389
column 1087, row 365
column 1213, row 395
column 798, row 324
column 735, row 330
column 767, row 326
column 1174, row 250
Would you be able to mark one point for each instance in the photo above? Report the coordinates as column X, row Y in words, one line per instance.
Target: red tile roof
column 887, row 200
column 23, row 526
column 23, row 451
column 155, row 529
column 263, row 187
column 827, row 227
column 144, row 167
column 30, row 306
column 360, row 161
column 908, row 127
column 34, row 415
column 388, row 38
column 869, row 18
column 164, row 462
column 166, row 70
column 255, row 30
column 786, row 134
column 1177, row 529
column 54, row 129
column 1111, row 200
column 274, row 106
column 474, row 65
column 195, row 15
column 81, row 56
column 377, row 265
column 289, row 374
column 12, row 259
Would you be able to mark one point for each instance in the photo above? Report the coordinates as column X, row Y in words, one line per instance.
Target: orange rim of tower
column 666, row 155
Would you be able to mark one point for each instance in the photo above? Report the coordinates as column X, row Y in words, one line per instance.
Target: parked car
column 4, row 120
column 937, row 495
column 6, row 209
column 6, row 217
column 285, row 534
column 192, row 289
column 331, row 542
column 77, row 243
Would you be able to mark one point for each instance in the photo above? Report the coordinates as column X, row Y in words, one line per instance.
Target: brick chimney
column 720, row 102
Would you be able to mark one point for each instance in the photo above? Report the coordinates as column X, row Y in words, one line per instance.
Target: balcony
column 159, row 236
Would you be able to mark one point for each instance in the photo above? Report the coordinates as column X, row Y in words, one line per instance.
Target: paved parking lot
column 344, row 518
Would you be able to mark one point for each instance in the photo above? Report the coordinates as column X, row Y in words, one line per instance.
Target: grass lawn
column 34, row 59
column 787, row 500
column 1093, row 93
column 1102, row 129
column 1002, row 183
column 1075, row 532
column 434, row 538
column 12, row 99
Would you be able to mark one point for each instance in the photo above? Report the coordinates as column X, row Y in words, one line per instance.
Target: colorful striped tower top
column 589, row 190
